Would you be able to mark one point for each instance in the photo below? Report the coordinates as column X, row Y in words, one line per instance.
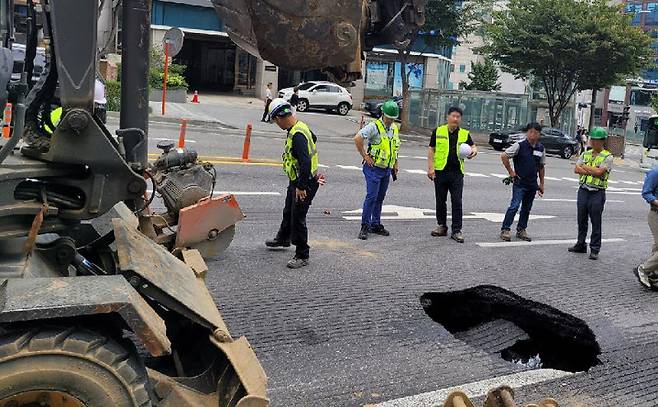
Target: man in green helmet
column 594, row 168
column 380, row 160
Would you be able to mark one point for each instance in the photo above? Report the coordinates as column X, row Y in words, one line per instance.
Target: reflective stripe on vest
column 591, row 161
column 290, row 163
column 385, row 153
column 442, row 147
column 55, row 117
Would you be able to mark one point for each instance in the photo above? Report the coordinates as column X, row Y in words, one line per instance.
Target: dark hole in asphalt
column 519, row 330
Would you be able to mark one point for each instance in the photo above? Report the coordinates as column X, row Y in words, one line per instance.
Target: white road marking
column 570, row 200
column 476, row 174
column 187, row 140
column 539, row 243
column 244, row 193
column 626, row 182
column 571, row 179
column 612, row 182
column 349, row 167
column 423, row 172
column 552, row 178
column 499, row 175
column 410, row 213
column 478, row 389
column 322, row 166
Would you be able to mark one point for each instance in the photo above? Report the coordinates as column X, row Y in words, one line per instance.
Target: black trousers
column 590, row 207
column 267, row 109
column 293, row 226
column 453, row 182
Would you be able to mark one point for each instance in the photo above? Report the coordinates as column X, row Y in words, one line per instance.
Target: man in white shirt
column 268, row 100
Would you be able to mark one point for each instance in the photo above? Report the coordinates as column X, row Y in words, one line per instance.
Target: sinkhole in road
column 519, row 330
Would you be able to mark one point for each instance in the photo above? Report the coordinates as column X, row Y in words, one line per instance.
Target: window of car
column 305, row 85
column 321, row 88
column 335, row 89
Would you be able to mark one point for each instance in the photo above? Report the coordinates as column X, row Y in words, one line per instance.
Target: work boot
column 577, row 249
column 457, row 237
column 363, row 234
column 440, row 231
column 594, row 255
column 277, row 243
column 506, row 235
column 523, row 235
column 297, row 263
column 379, row 230
column 643, row 277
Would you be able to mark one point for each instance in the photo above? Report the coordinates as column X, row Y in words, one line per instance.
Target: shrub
column 113, row 95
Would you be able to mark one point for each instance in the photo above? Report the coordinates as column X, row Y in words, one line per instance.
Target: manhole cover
column 519, row 330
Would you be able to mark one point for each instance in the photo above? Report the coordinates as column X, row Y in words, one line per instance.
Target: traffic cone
column 6, row 121
column 195, row 98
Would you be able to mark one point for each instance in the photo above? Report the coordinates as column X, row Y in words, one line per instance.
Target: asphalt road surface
column 349, row 330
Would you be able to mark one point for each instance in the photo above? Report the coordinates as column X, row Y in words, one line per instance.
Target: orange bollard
column 247, row 143
column 181, row 136
column 195, row 98
column 6, row 121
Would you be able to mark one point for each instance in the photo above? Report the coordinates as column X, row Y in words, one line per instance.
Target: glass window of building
column 462, row 68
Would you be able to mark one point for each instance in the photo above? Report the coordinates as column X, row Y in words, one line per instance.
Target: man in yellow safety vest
column 300, row 164
column 448, row 148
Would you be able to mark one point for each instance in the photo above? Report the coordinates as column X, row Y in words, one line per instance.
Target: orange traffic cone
column 6, row 121
column 195, row 98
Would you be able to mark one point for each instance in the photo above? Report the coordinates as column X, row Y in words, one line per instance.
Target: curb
column 176, row 120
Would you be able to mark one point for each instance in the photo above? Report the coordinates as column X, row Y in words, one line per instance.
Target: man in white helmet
column 300, row 164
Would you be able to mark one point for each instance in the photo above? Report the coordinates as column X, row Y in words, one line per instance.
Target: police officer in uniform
column 300, row 163
column 380, row 160
column 594, row 168
column 445, row 167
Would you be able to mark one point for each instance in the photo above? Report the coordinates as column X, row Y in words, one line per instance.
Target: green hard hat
column 598, row 133
column 391, row 109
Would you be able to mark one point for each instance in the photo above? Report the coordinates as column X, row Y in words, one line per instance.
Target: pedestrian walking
column 529, row 158
column 594, row 168
column 294, row 99
column 380, row 162
column 268, row 100
column 647, row 272
column 449, row 146
column 300, row 163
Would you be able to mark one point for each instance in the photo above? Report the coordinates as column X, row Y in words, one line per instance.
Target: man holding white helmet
column 448, row 148
column 529, row 159
column 300, row 163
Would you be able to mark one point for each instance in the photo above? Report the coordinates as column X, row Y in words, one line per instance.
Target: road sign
column 174, row 37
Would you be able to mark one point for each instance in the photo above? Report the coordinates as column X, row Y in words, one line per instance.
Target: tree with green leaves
column 483, row 76
column 568, row 45
column 445, row 22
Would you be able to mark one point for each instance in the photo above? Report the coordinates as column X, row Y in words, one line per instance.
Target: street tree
column 483, row 76
column 446, row 22
column 567, row 45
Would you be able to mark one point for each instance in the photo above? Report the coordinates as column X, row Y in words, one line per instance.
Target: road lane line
column 570, row 200
column 553, row 179
column 571, row 179
column 499, row 175
column 240, row 193
column 423, row 172
column 349, row 167
column 476, row 174
column 479, row 388
column 539, row 243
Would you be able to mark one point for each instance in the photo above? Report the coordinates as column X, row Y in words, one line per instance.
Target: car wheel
column 567, row 152
column 343, row 109
column 302, row 105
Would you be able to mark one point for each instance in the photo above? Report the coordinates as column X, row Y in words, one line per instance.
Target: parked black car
column 374, row 107
column 554, row 141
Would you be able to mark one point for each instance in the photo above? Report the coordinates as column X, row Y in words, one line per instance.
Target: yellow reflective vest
column 591, row 161
column 385, row 153
column 442, row 147
column 290, row 163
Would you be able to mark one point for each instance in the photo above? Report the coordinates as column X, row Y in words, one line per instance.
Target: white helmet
column 464, row 151
column 279, row 107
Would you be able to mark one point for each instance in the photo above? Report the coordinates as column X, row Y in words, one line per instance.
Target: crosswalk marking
column 517, row 243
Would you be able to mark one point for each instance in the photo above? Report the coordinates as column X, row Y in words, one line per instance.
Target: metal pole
column 135, row 45
column 165, row 76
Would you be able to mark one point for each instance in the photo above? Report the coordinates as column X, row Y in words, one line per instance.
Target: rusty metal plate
column 201, row 224
column 25, row 299
column 166, row 274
